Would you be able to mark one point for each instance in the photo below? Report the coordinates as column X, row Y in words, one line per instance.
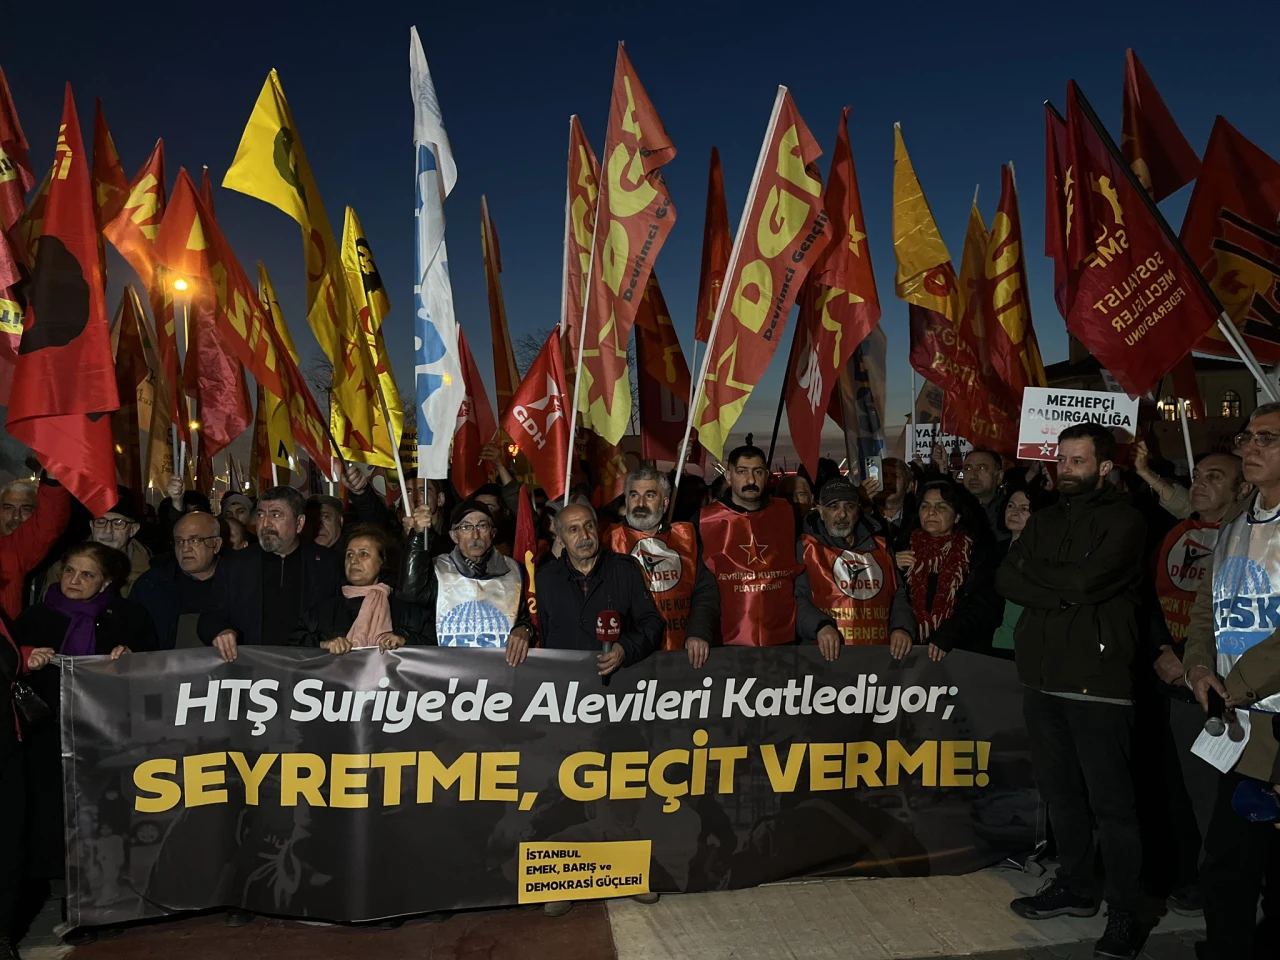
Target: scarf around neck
column 373, row 622
column 948, row 557
column 80, row 640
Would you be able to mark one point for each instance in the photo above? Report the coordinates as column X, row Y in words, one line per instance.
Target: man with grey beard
column 682, row 587
column 849, row 593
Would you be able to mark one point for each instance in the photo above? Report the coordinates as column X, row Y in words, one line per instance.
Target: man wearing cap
column 670, row 557
column 748, row 544
column 324, row 519
column 477, row 593
column 848, row 594
column 117, row 529
column 236, row 506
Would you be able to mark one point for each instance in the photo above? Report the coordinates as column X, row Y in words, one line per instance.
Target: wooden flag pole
column 734, row 254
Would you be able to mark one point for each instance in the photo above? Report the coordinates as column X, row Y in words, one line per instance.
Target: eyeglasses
column 1263, row 440
column 181, row 542
column 484, row 526
column 103, row 522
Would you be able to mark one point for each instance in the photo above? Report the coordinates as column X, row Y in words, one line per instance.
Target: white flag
column 437, row 371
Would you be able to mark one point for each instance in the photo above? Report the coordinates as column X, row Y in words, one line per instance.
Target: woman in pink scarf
column 366, row 612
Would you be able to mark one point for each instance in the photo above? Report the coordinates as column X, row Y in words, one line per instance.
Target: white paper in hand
column 1223, row 752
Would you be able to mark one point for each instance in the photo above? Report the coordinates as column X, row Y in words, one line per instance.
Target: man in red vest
column 848, row 593
column 748, row 543
column 679, row 582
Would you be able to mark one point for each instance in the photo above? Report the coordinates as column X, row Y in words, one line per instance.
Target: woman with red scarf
column 950, row 571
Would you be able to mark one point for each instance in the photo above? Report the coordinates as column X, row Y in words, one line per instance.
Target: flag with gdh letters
column 304, row 786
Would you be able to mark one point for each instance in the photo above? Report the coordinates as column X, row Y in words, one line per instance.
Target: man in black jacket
column 177, row 587
column 260, row 593
column 1076, row 571
column 587, row 582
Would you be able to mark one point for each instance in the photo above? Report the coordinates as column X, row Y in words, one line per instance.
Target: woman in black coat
column 366, row 612
column 83, row 614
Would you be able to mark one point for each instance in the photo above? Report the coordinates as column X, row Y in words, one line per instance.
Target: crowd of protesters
column 1131, row 605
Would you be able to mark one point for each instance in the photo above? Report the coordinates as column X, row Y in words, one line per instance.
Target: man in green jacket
column 1076, row 571
column 1233, row 648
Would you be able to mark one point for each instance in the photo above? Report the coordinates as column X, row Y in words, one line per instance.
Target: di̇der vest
column 1246, row 591
column 472, row 612
column 669, row 564
column 1184, row 560
column 855, row 588
column 753, row 558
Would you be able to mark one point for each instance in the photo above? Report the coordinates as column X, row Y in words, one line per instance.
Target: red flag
column 663, row 381
column 785, row 232
column 505, row 374
column 526, row 549
column 206, row 190
column 608, row 468
column 16, row 178
column 1055, row 215
column 1150, row 140
column 580, row 214
column 1135, row 302
column 537, row 418
column 131, row 370
column 1230, row 234
column 839, row 309
column 634, row 217
column 64, row 387
column 1012, row 348
column 110, row 187
column 134, row 229
column 717, row 242
column 475, row 428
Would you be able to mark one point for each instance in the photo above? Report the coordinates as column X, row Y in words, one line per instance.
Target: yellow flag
column 372, row 307
column 972, row 316
column 271, row 165
column 925, row 276
column 274, row 413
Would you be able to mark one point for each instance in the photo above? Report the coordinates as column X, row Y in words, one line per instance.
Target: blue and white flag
column 437, row 370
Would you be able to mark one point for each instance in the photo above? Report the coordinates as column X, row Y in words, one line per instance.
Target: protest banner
column 1047, row 411
column 296, row 783
column 925, row 435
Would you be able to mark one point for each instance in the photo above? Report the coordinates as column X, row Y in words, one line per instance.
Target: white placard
column 1046, row 412
column 925, row 435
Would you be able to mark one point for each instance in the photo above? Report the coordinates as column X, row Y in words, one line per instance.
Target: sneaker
column 1123, row 938
column 1054, row 900
column 646, row 898
column 239, row 918
column 557, row 908
column 1186, row 902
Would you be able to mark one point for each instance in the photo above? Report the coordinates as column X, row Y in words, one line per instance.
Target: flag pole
column 1186, row 434
column 395, row 450
column 1225, row 324
column 568, row 227
column 184, row 408
column 734, row 254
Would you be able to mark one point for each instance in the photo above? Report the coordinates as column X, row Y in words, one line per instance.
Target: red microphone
column 608, row 629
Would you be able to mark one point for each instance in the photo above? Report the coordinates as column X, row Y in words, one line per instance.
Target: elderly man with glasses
column 478, row 594
column 175, row 591
column 117, row 529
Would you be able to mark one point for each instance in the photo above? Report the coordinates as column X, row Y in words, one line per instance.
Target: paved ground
column 940, row 917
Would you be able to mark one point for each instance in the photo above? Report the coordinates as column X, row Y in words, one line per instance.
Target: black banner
column 297, row 783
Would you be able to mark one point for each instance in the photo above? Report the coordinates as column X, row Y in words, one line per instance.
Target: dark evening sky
column 965, row 80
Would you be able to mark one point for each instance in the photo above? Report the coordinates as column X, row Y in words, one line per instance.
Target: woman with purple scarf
column 81, row 615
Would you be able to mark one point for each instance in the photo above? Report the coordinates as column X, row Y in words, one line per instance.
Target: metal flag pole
column 395, row 451
column 1186, row 434
column 724, row 287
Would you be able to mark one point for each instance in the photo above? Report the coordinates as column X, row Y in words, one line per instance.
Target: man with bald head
column 588, row 591
column 175, row 591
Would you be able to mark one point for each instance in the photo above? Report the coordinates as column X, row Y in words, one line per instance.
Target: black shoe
column 1054, row 900
column 1186, row 902
column 238, row 918
column 7, row 950
column 1123, row 938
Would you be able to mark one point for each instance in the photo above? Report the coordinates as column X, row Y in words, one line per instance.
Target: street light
column 179, row 284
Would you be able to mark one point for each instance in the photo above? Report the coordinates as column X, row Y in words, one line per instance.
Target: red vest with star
column 753, row 557
column 669, row 564
column 854, row 588
column 1184, row 560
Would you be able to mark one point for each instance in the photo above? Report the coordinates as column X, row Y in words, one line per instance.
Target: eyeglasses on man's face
column 1263, row 440
column 484, row 526
column 181, row 542
column 118, row 522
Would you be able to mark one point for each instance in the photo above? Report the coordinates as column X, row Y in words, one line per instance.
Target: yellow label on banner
column 583, row 871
